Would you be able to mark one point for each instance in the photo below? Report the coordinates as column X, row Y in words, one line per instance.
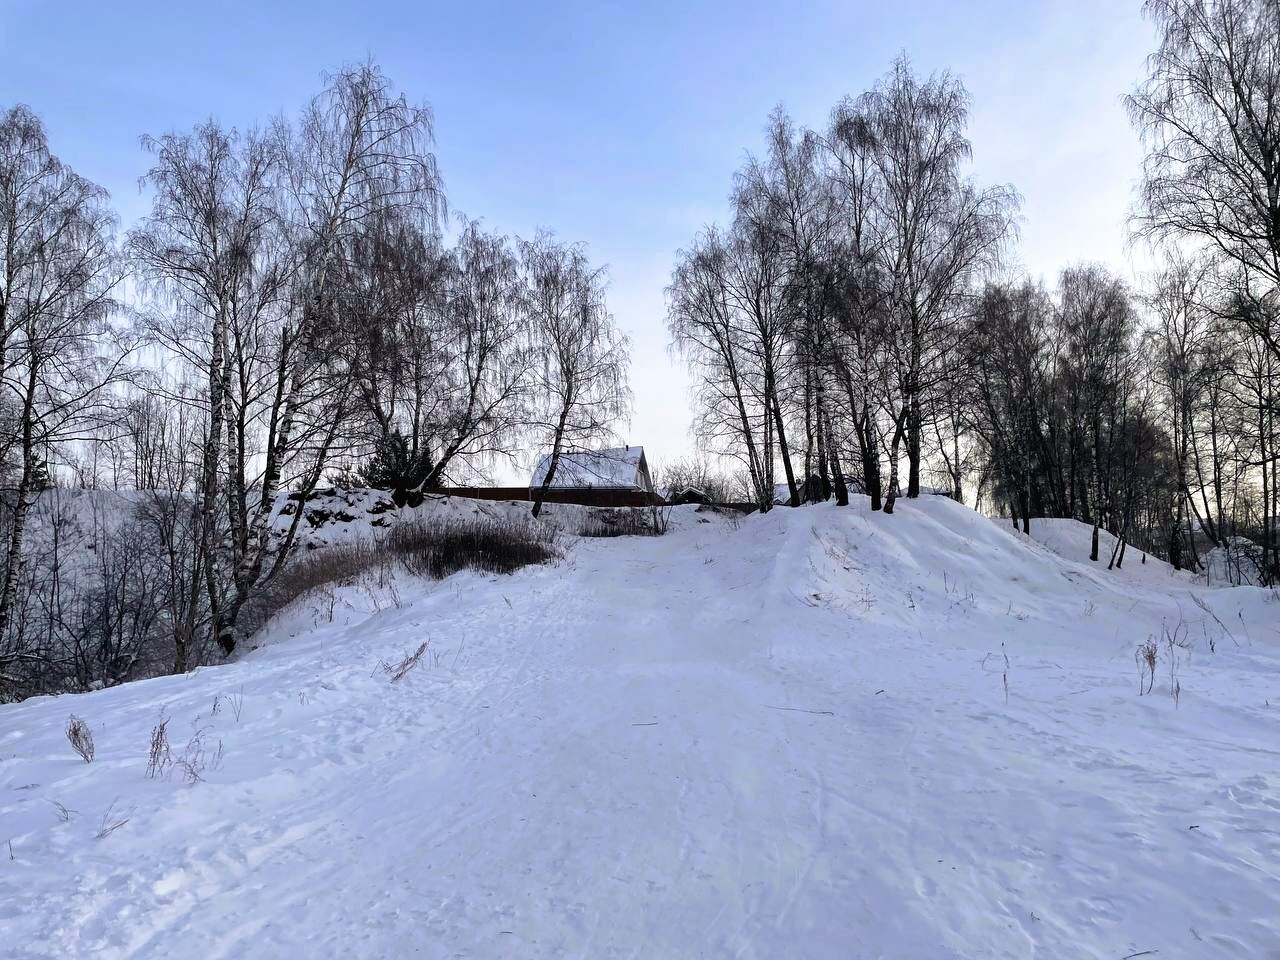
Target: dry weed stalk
column 1146, row 656
column 397, row 671
column 110, row 824
column 80, row 737
column 159, row 756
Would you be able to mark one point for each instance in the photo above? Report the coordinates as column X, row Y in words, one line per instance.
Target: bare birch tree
column 706, row 330
column 580, row 381
column 1209, row 112
column 242, row 252
column 58, row 272
column 937, row 231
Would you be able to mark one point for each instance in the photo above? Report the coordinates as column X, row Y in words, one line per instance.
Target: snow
column 336, row 516
column 1238, row 561
column 1224, row 566
column 1073, row 540
column 819, row 732
column 619, row 467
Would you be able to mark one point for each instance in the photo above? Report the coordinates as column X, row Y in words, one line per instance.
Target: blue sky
column 619, row 125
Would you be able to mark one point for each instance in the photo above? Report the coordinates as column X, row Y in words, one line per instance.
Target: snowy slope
column 1220, row 567
column 798, row 736
column 339, row 516
column 1073, row 540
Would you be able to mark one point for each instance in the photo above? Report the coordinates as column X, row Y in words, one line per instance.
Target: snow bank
column 819, row 732
column 1073, row 540
column 1234, row 563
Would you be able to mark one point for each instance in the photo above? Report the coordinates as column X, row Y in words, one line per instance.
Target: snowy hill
column 816, row 733
column 1072, row 539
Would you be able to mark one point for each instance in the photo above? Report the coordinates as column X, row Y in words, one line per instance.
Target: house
column 690, row 495
column 616, row 469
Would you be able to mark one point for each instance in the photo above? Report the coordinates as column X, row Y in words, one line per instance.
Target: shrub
column 335, row 565
column 438, row 548
column 429, row 547
column 625, row 522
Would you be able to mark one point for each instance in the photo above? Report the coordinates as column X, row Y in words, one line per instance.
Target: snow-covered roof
column 615, row 468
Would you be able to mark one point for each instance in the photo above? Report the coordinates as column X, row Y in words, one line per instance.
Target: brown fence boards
column 584, row 496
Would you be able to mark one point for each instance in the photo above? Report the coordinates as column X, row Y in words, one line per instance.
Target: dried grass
column 80, row 737
column 398, row 670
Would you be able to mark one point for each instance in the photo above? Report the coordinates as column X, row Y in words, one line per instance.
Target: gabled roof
column 618, row 467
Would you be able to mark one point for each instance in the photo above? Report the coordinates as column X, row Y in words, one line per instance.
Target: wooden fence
column 585, row 496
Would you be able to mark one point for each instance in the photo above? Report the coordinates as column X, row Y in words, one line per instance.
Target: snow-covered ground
column 341, row 515
column 1239, row 561
column 817, row 733
column 1073, row 540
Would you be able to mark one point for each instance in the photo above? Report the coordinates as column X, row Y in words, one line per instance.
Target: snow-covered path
column 822, row 734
